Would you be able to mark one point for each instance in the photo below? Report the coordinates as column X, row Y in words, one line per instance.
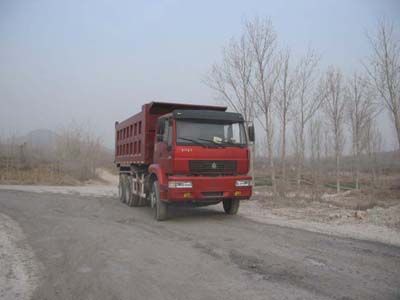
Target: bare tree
column 231, row 78
column 287, row 84
column 307, row 104
column 262, row 40
column 373, row 143
column 334, row 106
column 316, row 137
column 361, row 109
column 231, row 81
column 79, row 152
column 384, row 70
column 327, row 143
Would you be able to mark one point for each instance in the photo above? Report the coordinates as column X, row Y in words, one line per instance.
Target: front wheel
column 231, row 206
column 160, row 207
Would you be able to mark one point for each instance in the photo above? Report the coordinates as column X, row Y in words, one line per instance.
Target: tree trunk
column 358, row 162
column 337, row 171
column 300, row 159
column 397, row 125
column 357, row 179
column 271, row 165
column 270, row 151
column 283, row 150
column 252, row 156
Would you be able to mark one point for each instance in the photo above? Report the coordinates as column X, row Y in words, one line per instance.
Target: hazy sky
column 95, row 62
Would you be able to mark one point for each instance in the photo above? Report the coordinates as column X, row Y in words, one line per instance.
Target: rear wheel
column 128, row 190
column 121, row 188
column 135, row 196
column 142, row 201
column 137, row 199
column 160, row 207
column 231, row 206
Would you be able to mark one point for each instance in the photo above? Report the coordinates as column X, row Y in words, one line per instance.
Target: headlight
column 239, row 183
column 180, row 184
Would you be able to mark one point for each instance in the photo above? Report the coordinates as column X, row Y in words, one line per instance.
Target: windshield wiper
column 214, row 142
column 234, row 144
column 223, row 143
column 193, row 141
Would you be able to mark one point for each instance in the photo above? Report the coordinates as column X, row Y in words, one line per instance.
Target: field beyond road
column 87, row 247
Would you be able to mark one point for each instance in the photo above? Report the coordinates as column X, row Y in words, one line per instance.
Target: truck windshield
column 210, row 134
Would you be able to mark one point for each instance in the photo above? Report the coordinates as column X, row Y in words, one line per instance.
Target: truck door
column 163, row 152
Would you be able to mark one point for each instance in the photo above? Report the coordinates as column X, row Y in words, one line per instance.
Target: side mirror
column 250, row 131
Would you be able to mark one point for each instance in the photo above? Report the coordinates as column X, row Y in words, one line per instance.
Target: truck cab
column 199, row 157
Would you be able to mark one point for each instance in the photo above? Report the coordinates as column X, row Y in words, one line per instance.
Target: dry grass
column 384, row 194
column 377, row 203
column 38, row 175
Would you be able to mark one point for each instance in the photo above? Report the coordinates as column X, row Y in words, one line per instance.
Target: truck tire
column 231, row 206
column 128, row 190
column 160, row 207
column 121, row 188
column 142, row 201
column 136, row 199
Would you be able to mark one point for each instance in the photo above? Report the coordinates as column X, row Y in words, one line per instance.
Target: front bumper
column 206, row 188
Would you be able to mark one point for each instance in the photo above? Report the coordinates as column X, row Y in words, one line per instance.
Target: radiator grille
column 212, row 166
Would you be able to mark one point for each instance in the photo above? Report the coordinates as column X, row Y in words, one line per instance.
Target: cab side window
column 166, row 131
column 169, row 137
column 160, row 130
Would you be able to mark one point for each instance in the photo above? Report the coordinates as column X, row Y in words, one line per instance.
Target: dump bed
column 135, row 136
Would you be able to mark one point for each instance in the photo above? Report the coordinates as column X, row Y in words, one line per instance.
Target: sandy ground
column 94, row 247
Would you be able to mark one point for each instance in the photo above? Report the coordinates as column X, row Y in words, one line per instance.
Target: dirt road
column 97, row 248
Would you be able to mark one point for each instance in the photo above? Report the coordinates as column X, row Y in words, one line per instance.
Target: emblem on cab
column 214, row 165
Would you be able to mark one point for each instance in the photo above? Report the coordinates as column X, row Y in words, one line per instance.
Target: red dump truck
column 171, row 154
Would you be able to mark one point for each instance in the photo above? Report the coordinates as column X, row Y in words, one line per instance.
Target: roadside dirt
column 367, row 215
column 318, row 220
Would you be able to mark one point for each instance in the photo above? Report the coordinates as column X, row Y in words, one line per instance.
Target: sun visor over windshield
column 207, row 115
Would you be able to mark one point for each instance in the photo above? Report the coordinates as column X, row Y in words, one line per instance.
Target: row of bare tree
column 269, row 85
